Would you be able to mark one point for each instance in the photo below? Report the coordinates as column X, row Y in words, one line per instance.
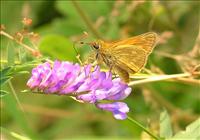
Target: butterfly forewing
column 146, row 41
column 129, row 55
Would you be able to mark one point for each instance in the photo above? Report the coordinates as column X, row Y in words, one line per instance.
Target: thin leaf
column 4, row 80
column 3, row 93
column 23, row 72
column 5, row 71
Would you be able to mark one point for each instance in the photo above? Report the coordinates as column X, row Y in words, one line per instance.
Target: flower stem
column 143, row 128
column 33, row 51
column 161, row 78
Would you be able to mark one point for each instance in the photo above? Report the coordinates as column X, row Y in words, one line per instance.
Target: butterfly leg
column 111, row 70
column 123, row 74
column 77, row 53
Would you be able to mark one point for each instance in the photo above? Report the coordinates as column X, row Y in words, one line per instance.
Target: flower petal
column 119, row 109
column 66, row 77
column 38, row 74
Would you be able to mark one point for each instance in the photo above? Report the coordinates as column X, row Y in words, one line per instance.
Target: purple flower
column 118, row 91
column 89, row 85
column 38, row 74
column 119, row 109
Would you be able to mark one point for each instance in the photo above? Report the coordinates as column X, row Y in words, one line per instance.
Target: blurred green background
column 59, row 24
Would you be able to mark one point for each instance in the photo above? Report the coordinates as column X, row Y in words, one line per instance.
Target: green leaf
column 23, row 72
column 5, row 71
column 57, row 47
column 165, row 125
column 25, row 91
column 4, row 80
column 3, row 93
column 192, row 132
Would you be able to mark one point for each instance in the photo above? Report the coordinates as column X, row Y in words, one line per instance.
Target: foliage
column 191, row 132
column 165, row 125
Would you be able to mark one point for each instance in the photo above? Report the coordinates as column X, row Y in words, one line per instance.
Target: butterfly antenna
column 85, row 34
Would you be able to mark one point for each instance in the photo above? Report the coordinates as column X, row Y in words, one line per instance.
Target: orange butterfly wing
column 129, row 55
column 146, row 41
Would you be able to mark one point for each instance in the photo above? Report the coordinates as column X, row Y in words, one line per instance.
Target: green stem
column 16, row 97
column 143, row 128
column 86, row 19
column 159, row 78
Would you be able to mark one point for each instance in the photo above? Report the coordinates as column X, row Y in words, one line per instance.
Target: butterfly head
column 97, row 44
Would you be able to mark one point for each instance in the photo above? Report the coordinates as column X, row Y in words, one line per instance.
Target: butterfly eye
column 96, row 46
